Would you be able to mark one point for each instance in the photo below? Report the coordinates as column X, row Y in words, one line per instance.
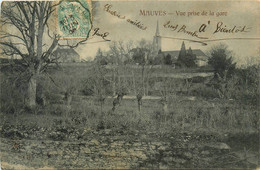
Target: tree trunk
column 134, row 82
column 165, row 110
column 147, row 86
column 143, row 85
column 31, row 93
column 114, row 82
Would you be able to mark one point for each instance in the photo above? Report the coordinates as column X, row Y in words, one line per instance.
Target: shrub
column 13, row 95
column 205, row 92
column 221, row 61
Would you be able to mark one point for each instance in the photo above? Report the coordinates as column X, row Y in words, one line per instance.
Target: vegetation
column 168, row 59
column 25, row 33
column 221, row 61
column 211, row 107
column 130, row 91
column 186, row 58
column 208, row 111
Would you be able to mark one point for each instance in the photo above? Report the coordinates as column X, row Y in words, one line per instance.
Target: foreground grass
column 216, row 116
column 178, row 137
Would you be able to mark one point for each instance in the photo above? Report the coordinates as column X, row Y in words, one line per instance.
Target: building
column 157, row 39
column 66, row 55
column 201, row 58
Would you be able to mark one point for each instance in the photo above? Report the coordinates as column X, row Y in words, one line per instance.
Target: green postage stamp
column 74, row 18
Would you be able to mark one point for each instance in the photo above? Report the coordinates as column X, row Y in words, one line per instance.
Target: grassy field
column 235, row 113
column 193, row 108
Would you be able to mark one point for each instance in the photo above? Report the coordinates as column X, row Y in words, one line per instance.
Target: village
column 131, row 105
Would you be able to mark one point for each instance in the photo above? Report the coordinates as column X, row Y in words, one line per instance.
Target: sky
column 238, row 13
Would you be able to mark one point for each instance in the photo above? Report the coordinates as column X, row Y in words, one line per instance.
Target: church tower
column 157, row 39
column 183, row 50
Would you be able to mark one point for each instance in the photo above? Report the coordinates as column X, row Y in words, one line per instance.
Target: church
column 201, row 58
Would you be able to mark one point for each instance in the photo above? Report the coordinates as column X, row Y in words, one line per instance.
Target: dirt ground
column 110, row 149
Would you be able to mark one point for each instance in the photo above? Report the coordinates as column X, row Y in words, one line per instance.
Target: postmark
column 74, row 19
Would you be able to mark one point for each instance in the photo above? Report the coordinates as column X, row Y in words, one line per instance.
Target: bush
column 12, row 96
column 245, row 86
column 205, row 92
column 221, row 62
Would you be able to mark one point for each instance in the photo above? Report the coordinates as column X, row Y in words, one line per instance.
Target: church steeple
column 157, row 39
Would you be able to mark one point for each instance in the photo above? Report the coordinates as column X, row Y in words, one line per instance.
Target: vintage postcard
column 129, row 84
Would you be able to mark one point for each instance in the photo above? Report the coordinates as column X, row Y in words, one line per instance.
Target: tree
column 100, row 58
column 159, row 59
column 139, row 55
column 189, row 60
column 186, row 59
column 183, row 50
column 142, row 52
column 221, row 61
column 119, row 54
column 100, row 84
column 146, row 53
column 168, row 59
column 25, row 32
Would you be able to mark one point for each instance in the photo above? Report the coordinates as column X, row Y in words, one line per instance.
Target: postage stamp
column 74, row 18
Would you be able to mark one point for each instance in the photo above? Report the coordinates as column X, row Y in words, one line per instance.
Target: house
column 201, row 58
column 66, row 55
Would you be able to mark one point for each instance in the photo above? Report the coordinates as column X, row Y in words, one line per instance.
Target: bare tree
column 118, row 100
column 166, row 87
column 145, row 53
column 119, row 52
column 24, row 28
column 139, row 101
column 98, row 80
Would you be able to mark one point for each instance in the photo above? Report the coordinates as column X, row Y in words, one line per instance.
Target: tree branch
column 14, row 48
column 21, row 6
